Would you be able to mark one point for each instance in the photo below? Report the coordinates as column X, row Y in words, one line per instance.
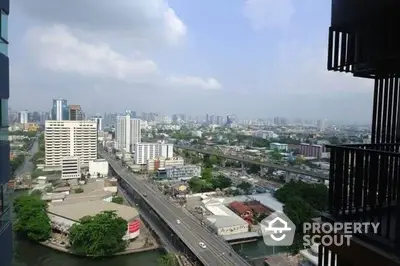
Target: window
column 4, row 26
column 4, row 33
column 3, row 113
column 4, row 205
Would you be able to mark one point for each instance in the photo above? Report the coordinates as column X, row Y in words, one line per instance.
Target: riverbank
column 52, row 244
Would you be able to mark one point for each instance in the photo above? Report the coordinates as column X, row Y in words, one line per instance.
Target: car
column 178, row 221
column 202, row 245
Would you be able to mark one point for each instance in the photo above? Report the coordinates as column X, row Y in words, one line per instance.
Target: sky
column 252, row 58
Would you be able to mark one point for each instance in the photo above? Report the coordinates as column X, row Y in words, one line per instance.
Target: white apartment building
column 161, row 162
column 127, row 133
column 70, row 138
column 23, row 117
column 147, row 151
column 99, row 122
column 70, row 167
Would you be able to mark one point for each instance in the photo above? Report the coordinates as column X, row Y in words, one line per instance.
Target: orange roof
column 239, row 207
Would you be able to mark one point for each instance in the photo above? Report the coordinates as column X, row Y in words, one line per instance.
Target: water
column 31, row 254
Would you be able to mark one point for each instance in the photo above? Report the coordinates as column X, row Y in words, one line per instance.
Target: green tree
column 39, row 155
column 118, row 200
column 254, row 169
column 168, row 260
column 207, row 174
column 245, row 186
column 16, row 163
column 334, row 140
column 31, row 218
column 198, row 185
column 99, row 235
column 299, row 211
column 221, row 182
column 275, row 155
column 316, row 195
column 302, row 202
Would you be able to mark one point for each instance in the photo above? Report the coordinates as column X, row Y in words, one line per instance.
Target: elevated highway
column 263, row 164
column 217, row 252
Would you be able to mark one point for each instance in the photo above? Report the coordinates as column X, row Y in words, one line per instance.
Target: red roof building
column 241, row 209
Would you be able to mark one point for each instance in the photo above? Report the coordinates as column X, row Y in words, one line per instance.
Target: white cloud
column 57, row 49
column 268, row 13
column 149, row 20
column 188, row 81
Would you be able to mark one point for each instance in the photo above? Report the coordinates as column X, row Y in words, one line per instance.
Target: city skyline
column 249, row 62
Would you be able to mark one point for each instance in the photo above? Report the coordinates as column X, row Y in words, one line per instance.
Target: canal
column 27, row 253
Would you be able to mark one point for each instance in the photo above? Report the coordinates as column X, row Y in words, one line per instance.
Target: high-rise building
column 6, row 245
column 70, row 138
column 150, row 151
column 23, row 117
column 99, row 122
column 43, row 117
column 127, row 132
column 60, row 110
column 75, row 112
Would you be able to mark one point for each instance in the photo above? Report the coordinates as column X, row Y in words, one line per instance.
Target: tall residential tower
column 6, row 245
column 127, row 132
column 60, row 110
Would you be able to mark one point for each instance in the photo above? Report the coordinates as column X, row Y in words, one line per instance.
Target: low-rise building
column 162, row 162
column 70, row 167
column 184, row 172
column 98, row 168
column 224, row 221
column 278, row 146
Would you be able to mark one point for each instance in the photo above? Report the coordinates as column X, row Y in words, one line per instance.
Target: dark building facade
column 364, row 179
column 5, row 207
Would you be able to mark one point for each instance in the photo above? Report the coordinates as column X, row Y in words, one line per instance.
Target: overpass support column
column 288, row 177
column 223, row 162
column 243, row 169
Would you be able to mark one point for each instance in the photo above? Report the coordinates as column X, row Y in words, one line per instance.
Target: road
column 264, row 164
column 217, row 253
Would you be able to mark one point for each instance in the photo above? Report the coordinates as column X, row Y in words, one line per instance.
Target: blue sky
column 254, row 58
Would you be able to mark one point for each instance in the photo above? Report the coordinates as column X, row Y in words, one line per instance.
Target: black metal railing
column 341, row 50
column 364, row 186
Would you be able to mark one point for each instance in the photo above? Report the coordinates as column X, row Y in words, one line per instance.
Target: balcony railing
column 364, row 187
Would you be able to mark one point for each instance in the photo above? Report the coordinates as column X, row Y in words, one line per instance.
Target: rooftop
column 222, row 216
column 76, row 211
column 268, row 200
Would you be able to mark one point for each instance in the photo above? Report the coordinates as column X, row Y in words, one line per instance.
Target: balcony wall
column 363, row 37
column 363, row 186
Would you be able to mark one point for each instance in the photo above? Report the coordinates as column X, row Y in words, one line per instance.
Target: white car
column 178, row 221
column 202, row 245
